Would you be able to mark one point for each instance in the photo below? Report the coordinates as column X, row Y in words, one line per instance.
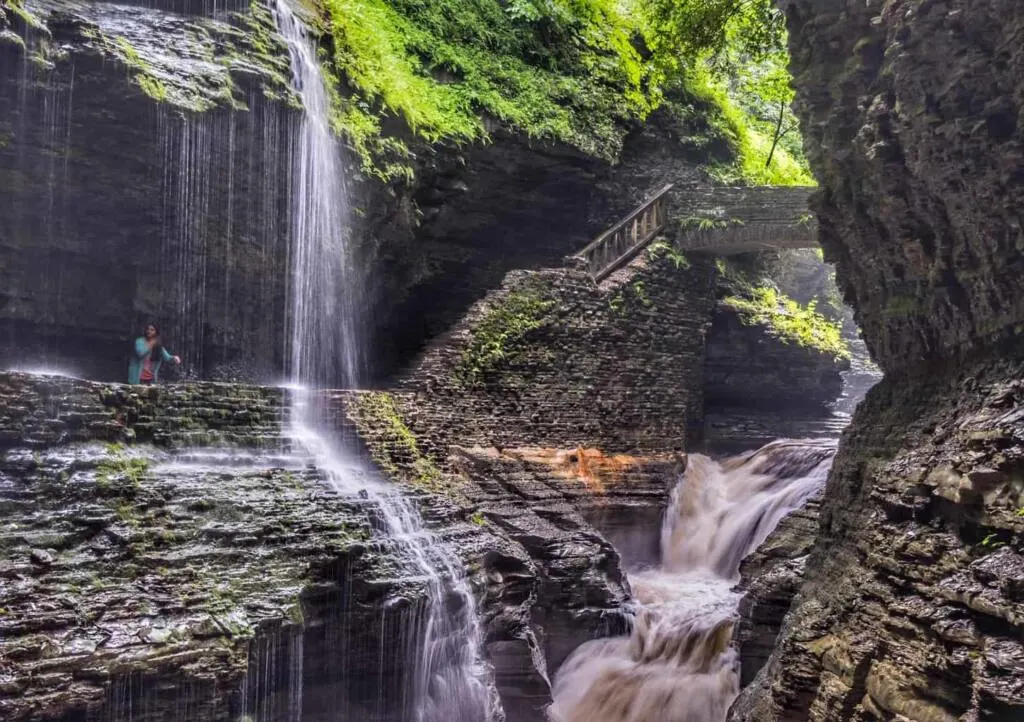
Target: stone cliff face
column 910, row 609
column 147, row 208
column 920, row 168
column 911, row 606
column 169, row 554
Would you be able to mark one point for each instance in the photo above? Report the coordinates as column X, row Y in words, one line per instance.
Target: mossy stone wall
column 553, row 359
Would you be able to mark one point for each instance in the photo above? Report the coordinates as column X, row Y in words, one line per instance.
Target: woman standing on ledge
column 148, row 355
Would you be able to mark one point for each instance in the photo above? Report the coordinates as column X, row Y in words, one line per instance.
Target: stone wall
column 553, row 359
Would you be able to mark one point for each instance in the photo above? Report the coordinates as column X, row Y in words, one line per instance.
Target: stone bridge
column 726, row 221
column 721, row 221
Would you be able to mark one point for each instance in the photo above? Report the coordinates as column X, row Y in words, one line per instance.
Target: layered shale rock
column 749, row 366
column 143, row 581
column 911, row 114
column 910, row 609
column 168, row 552
column 553, row 359
column 914, row 565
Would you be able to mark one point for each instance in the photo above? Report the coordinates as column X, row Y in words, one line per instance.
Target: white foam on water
column 678, row 664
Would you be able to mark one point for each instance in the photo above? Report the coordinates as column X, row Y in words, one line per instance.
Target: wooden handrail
column 626, row 238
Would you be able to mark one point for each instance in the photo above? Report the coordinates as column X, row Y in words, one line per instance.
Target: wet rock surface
column 114, row 189
column 571, row 588
column 769, row 580
column 168, row 553
column 910, row 606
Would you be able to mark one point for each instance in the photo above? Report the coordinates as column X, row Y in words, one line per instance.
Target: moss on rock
column 786, row 319
column 392, row 444
column 493, row 337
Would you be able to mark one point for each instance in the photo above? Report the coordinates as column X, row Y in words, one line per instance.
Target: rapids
column 678, row 664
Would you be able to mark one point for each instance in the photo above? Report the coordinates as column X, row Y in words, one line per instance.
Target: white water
column 323, row 337
column 448, row 680
column 678, row 665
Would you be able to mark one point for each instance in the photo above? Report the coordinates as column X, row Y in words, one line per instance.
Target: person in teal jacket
column 147, row 356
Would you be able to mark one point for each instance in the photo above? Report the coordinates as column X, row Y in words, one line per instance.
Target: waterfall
column 678, row 664
column 449, row 681
column 322, row 333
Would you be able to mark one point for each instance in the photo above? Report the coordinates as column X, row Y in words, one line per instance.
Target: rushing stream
column 449, row 682
column 678, row 665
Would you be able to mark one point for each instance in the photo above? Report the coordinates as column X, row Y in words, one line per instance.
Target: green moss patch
column 493, row 337
column 392, row 444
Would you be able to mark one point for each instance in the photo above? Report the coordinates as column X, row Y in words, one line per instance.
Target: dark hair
column 155, row 353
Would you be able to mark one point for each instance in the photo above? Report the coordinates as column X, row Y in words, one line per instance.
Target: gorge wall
column 144, row 159
column 910, row 609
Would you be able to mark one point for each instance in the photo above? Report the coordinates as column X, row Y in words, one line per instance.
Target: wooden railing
column 620, row 243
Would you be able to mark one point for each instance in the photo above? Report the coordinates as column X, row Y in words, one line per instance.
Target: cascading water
column 324, row 342
column 448, row 679
column 677, row 665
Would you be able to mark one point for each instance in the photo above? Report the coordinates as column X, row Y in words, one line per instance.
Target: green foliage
column 663, row 249
column 745, row 135
column 992, row 541
column 731, row 55
column 505, row 323
column 788, row 320
column 640, row 291
column 685, row 29
column 142, row 72
column 18, row 10
column 562, row 70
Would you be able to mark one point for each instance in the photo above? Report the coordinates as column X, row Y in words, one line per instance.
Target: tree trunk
column 778, row 133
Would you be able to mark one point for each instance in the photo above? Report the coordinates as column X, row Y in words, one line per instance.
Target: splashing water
column 448, row 682
column 678, row 665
